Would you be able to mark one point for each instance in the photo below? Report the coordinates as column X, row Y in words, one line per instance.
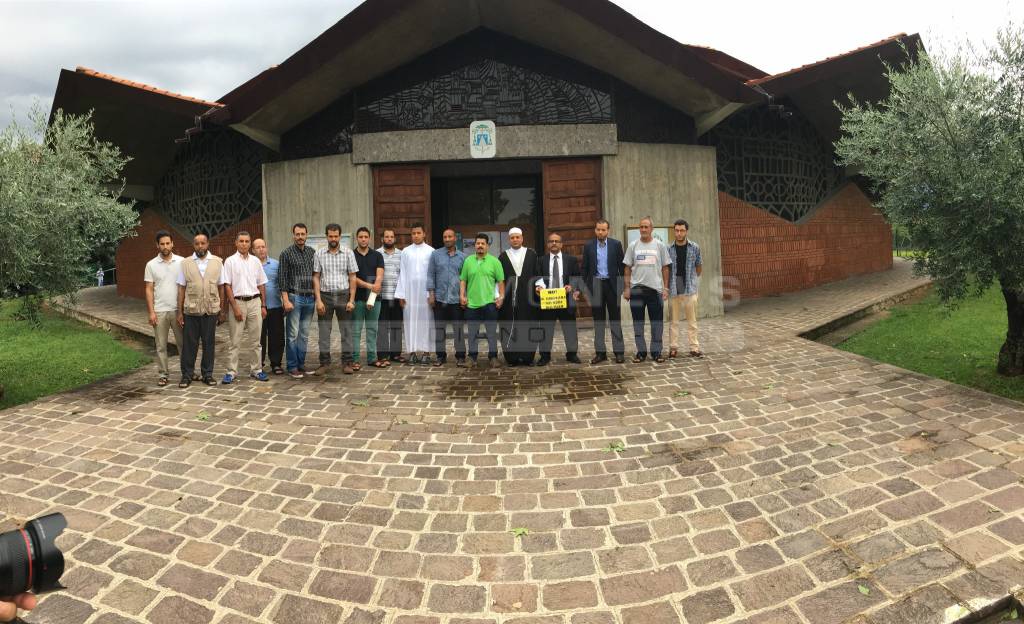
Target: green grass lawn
column 59, row 355
column 960, row 346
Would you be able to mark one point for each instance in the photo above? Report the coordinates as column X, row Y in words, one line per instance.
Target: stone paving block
column 642, row 586
column 772, row 588
column 932, row 604
column 301, row 610
column 840, row 603
column 708, row 606
column 917, row 570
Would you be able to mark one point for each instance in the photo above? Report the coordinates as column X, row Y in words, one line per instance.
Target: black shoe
column 597, row 359
column 575, row 359
column 210, row 381
column 185, row 382
column 543, row 361
column 620, row 358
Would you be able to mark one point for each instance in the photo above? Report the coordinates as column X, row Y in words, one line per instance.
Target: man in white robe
column 411, row 293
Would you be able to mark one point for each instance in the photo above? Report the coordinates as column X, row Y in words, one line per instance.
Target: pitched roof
column 144, row 87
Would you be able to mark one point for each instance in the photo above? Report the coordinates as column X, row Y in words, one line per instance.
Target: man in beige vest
column 245, row 304
column 199, row 309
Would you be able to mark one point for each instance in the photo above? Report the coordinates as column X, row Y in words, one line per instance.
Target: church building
column 481, row 115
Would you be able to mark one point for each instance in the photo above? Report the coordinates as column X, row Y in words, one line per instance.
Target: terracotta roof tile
column 144, row 87
column 795, row 70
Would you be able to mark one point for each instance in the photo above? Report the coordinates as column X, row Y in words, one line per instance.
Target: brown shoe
column 597, row 359
column 347, row 369
column 321, row 370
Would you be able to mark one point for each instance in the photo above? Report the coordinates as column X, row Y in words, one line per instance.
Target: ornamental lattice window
column 775, row 162
column 214, row 182
column 486, row 89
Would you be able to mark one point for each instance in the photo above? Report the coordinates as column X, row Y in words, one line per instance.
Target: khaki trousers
column 244, row 336
column 680, row 307
column 166, row 321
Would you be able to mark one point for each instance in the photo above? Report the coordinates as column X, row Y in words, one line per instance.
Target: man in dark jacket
column 517, row 318
column 602, row 283
column 559, row 270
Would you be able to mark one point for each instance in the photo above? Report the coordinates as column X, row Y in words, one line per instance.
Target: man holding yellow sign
column 561, row 272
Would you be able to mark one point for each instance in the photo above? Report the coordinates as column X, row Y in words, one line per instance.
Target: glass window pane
column 515, row 200
column 469, row 200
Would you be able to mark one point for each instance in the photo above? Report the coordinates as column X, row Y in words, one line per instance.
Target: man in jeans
column 272, row 334
column 645, row 283
column 443, row 296
column 162, row 299
column 295, row 282
column 334, row 286
column 686, row 270
column 367, row 310
column 479, row 276
column 389, row 324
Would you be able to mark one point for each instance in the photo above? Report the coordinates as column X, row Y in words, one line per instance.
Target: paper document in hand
column 553, row 299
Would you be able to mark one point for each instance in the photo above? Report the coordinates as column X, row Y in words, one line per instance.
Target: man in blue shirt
column 272, row 335
column 602, row 284
column 443, row 296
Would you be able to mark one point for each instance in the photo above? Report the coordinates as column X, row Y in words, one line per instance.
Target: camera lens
column 29, row 557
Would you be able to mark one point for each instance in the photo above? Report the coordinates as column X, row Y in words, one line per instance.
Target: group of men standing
column 415, row 295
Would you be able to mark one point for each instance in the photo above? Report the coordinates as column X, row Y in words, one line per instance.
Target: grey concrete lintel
column 512, row 142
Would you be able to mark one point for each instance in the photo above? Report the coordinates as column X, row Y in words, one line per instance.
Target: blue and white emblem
column 483, row 139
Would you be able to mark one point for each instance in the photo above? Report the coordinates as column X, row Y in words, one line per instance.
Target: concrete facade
column 315, row 191
column 512, row 142
column 669, row 182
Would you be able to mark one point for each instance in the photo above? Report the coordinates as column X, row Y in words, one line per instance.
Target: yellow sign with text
column 553, row 299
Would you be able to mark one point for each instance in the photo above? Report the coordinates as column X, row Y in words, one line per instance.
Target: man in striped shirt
column 389, row 326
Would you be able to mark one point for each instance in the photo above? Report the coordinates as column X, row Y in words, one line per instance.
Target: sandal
column 400, row 359
column 696, row 354
column 673, row 352
column 381, row 364
column 161, row 382
column 660, row 359
column 278, row 370
column 637, row 359
column 184, row 383
column 356, row 366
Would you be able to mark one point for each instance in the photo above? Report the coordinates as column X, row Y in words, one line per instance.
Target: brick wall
column 769, row 255
column 133, row 253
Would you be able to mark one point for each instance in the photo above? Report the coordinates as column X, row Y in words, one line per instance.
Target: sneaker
column 185, row 382
column 414, row 359
column 495, row 362
column 321, row 370
column 296, row 374
column 228, row 379
column 440, row 361
column 210, row 381
column 425, row 360
column 260, row 376
column 460, row 362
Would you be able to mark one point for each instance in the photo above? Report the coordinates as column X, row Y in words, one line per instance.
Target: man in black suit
column 559, row 270
column 602, row 278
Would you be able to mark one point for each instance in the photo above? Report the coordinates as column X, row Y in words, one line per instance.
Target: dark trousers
column 389, row 329
column 642, row 298
column 604, row 306
column 198, row 328
column 272, row 337
column 445, row 313
column 488, row 316
column 567, row 319
column 336, row 308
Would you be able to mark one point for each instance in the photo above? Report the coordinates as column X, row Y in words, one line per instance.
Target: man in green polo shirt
column 480, row 280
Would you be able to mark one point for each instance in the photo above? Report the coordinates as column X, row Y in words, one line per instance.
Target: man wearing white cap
column 518, row 316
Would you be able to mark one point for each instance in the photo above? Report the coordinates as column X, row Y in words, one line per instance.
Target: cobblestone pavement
column 775, row 481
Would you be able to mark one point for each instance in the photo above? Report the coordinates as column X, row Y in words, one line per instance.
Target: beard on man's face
column 202, row 254
column 333, row 244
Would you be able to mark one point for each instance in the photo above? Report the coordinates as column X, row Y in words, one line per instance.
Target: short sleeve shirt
column 334, row 268
column 164, row 277
column 646, row 261
column 244, row 275
column 481, row 276
column 367, row 272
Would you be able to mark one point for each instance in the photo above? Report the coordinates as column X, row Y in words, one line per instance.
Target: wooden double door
column 571, row 200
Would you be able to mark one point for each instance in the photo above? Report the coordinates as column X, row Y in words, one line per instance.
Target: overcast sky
column 207, row 48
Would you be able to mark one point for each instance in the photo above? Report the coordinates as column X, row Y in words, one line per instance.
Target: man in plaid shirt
column 334, row 286
column 389, row 332
column 295, row 283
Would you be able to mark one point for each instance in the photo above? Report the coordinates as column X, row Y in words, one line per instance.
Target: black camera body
column 29, row 557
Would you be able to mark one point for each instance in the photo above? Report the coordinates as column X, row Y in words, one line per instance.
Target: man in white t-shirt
column 245, row 302
column 646, row 282
column 162, row 298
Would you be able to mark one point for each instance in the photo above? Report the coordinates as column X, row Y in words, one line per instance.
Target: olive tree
column 59, row 202
column 944, row 153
